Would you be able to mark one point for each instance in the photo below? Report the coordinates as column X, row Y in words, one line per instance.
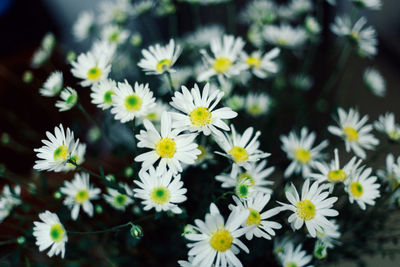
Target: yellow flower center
column 302, row 155
column 200, row 116
column 108, row 96
column 355, row 35
column 254, row 217
column 291, row 264
column 152, row 116
column 57, row 232
column 337, row 175
column 239, row 154
column 82, row 196
column 160, row 195
column 75, row 159
column 306, row 209
column 133, row 102
column 94, row 73
column 350, row 133
column 61, row 153
column 202, row 152
column 253, row 62
column 394, row 135
column 246, row 176
column 222, row 64
column 221, row 240
column 356, row 189
column 282, row 41
column 254, row 110
column 163, row 65
column 166, row 147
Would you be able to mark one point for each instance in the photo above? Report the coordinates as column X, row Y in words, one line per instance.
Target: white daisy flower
column 104, row 50
column 161, row 192
column 256, row 174
column 78, row 193
column 264, row 228
column 375, row 82
column 312, row 208
column 118, row 200
column 91, row 67
column 386, row 124
column 56, row 151
column 285, row 36
column 217, row 242
column 365, row 39
column 83, row 26
column 171, row 147
column 261, row 65
column 354, row 132
column 50, row 233
column 8, row 199
column 300, row 151
column 114, row 11
column 236, row 102
column 202, row 36
column 78, row 156
column 292, row 257
column 391, row 174
column 301, row 7
column 159, row 59
column 259, row 12
column 102, row 93
column 332, row 173
column 369, row 4
column 199, row 111
column 329, row 235
column 363, row 188
column 223, row 61
column 53, row 84
column 241, row 148
column 128, row 103
column 257, row 104
column 69, row 98
column 114, row 34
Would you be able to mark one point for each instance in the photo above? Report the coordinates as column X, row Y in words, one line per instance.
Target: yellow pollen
column 291, row 264
column 57, row 232
column 355, row 35
column 394, row 135
column 337, row 175
column 306, row 209
column 222, row 64
column 61, row 153
column 82, row 196
column 254, row 218
column 356, row 189
column 75, row 159
column 302, row 155
column 200, row 116
column 133, row 102
column 166, row 147
column 246, row 176
column 350, row 133
column 239, row 154
column 282, row 41
column 163, row 65
column 94, row 73
column 253, row 62
column 152, row 116
column 160, row 195
column 221, row 240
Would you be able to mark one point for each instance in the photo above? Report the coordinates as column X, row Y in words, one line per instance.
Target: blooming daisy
column 386, row 124
column 241, row 148
column 56, row 151
column 114, row 34
column 255, row 205
column 375, row 82
column 161, row 192
column 311, row 209
column 217, row 242
column 261, row 65
column 363, row 188
column 202, row 36
column 364, row 39
column 78, row 156
column 369, row 4
column 102, row 93
column 119, row 200
column 199, row 113
column 354, row 132
column 223, row 61
column 104, row 50
column 78, row 193
column 285, row 36
column 300, row 151
column 259, row 12
column 256, row 174
column 83, row 26
column 257, row 104
column 159, row 59
column 329, row 235
column 69, row 98
column 128, row 103
column 235, row 102
column 332, row 173
column 171, row 147
column 391, row 174
column 114, row 11
column 53, row 84
column 91, row 67
column 292, row 257
column 50, row 233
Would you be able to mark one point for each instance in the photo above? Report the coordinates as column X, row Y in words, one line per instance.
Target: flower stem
column 170, row 81
column 112, row 229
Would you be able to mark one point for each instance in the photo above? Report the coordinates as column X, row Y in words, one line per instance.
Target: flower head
column 261, row 65
column 102, row 93
column 53, row 84
column 285, row 36
column 117, row 199
column 375, row 82
column 386, row 124
column 69, row 98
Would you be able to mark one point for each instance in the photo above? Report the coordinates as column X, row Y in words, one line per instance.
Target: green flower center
column 94, row 73
column 108, row 96
column 160, row 195
column 133, row 102
column 61, row 153
column 57, row 232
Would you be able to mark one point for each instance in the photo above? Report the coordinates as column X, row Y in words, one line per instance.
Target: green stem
column 6, row 242
column 87, row 115
column 102, row 231
column 170, row 81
